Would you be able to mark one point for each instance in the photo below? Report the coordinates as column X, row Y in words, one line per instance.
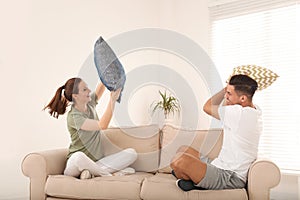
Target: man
column 242, row 127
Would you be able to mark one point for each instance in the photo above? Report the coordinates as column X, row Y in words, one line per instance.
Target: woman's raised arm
column 99, row 90
column 91, row 125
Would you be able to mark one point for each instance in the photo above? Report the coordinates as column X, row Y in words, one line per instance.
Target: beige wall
column 43, row 43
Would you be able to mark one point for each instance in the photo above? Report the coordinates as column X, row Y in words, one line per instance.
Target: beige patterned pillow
column 263, row 76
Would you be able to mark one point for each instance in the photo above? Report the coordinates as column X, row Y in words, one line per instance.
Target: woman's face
column 83, row 96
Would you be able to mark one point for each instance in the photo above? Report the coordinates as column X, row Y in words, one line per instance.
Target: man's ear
column 243, row 98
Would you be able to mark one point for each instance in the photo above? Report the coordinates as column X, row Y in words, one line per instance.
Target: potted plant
column 168, row 104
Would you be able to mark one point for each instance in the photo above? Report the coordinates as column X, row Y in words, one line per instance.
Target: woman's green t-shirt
column 87, row 142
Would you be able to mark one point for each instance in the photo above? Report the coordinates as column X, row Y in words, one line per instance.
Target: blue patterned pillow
column 110, row 69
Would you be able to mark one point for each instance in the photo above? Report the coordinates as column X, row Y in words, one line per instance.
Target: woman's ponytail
column 59, row 102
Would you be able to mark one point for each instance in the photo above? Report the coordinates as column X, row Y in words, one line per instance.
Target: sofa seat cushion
column 112, row 187
column 163, row 186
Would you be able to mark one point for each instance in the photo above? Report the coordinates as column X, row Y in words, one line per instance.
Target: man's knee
column 189, row 166
column 182, row 161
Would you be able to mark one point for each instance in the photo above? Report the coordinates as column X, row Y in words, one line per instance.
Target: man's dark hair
column 243, row 85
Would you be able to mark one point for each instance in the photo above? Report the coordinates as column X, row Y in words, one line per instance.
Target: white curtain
column 265, row 33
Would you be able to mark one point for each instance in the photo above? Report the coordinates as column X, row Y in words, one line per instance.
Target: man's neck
column 248, row 104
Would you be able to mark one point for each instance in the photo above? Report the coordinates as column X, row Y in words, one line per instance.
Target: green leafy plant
column 168, row 104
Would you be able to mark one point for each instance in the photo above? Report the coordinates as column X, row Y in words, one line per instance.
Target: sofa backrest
column 144, row 139
column 156, row 147
column 208, row 142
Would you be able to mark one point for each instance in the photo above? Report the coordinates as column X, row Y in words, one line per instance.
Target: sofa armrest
column 37, row 166
column 262, row 176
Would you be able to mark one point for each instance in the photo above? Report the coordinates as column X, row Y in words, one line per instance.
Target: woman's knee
column 73, row 164
column 78, row 157
column 132, row 152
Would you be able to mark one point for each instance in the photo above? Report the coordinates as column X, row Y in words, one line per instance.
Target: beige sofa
column 153, row 180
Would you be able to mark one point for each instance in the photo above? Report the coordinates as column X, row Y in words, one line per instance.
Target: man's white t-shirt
column 242, row 128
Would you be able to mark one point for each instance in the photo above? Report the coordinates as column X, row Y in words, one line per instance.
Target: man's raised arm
column 211, row 106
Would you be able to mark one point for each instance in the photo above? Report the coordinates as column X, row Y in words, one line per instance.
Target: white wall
column 45, row 42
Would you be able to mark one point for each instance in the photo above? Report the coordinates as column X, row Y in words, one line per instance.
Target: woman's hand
column 114, row 95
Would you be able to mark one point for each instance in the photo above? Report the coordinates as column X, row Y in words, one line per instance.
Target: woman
column 85, row 157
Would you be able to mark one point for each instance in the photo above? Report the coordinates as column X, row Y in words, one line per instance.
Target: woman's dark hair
column 59, row 102
column 243, row 84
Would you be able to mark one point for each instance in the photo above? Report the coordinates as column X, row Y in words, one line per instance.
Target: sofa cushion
column 208, row 142
column 113, row 187
column 163, row 186
column 144, row 139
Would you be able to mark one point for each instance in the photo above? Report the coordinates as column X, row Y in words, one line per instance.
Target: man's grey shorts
column 218, row 179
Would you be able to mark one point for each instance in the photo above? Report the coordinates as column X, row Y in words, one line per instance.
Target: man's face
column 231, row 97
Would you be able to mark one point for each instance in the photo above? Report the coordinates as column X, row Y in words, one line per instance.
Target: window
column 265, row 33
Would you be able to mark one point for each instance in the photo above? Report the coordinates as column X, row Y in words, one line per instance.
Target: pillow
column 144, row 139
column 208, row 142
column 110, row 69
column 263, row 76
